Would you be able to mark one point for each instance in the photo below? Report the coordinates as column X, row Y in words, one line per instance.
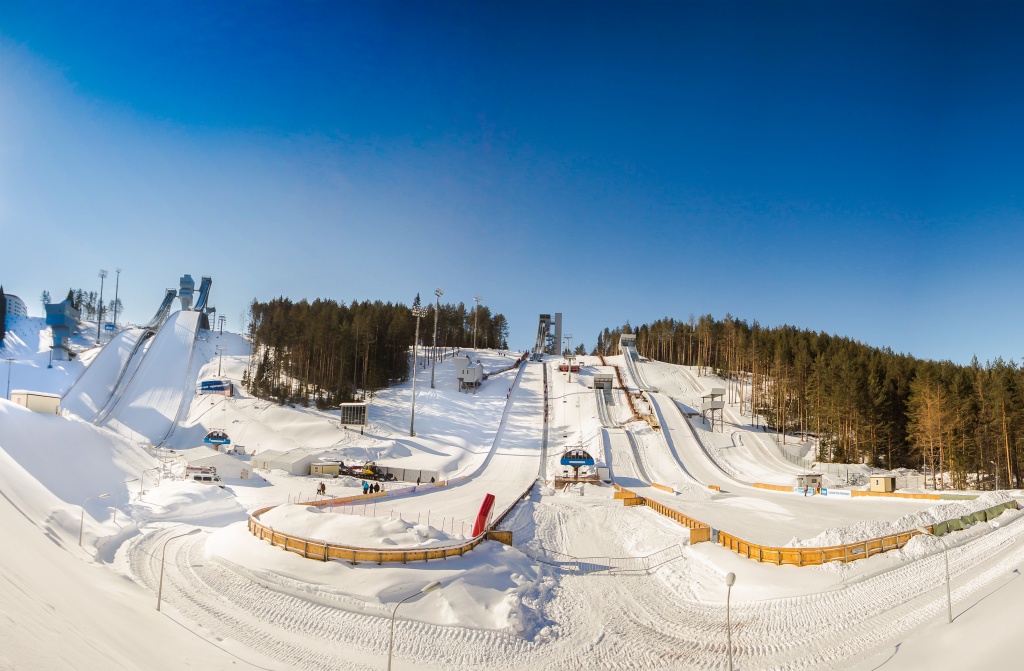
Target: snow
column 589, row 582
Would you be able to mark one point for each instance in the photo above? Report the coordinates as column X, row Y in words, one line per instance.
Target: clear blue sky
column 852, row 168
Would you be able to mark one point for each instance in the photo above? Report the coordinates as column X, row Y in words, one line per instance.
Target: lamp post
column 163, row 554
column 730, row 580
column 220, row 358
column 81, row 521
column 945, row 554
column 437, row 307
column 391, row 642
column 10, row 362
column 475, row 314
column 99, row 314
column 416, row 312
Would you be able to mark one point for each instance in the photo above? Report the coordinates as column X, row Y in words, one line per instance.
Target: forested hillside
column 963, row 423
column 326, row 352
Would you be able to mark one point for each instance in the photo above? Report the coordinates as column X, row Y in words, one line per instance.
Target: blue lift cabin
column 576, row 458
column 217, row 437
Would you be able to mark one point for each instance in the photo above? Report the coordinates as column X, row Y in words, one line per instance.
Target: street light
column 945, row 554
column 81, row 522
column 730, row 580
column 10, row 361
column 437, row 307
column 220, row 358
column 416, row 312
column 475, row 314
column 163, row 554
column 391, row 642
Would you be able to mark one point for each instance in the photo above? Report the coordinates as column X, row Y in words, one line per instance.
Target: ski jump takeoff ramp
column 151, row 403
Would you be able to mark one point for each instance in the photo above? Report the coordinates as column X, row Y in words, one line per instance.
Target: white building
column 296, row 462
column 227, row 465
column 37, row 401
column 15, row 306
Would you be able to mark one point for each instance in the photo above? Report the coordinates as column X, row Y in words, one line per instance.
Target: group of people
column 370, row 489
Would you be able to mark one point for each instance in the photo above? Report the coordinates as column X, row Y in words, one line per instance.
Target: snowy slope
column 93, row 390
column 160, row 389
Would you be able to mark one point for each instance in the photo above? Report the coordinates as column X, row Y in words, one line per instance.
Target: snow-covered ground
column 589, row 583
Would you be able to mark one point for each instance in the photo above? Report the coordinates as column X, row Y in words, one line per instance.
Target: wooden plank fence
column 323, row 550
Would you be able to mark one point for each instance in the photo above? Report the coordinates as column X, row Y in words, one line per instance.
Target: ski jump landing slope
column 152, row 402
column 93, row 390
column 513, row 463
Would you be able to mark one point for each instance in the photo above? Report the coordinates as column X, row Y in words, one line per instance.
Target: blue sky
column 852, row 168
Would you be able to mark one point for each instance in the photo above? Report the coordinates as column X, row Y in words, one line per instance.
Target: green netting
column 940, row 528
column 967, row 520
column 955, row 524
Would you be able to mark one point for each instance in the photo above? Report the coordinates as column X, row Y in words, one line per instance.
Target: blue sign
column 108, row 327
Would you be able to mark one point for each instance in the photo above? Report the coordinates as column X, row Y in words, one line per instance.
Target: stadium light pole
column 437, row 307
column 730, row 580
column 81, row 521
column 391, row 641
column 475, row 315
column 10, row 362
column 945, row 554
column 117, row 286
column 163, row 555
column 99, row 314
column 416, row 312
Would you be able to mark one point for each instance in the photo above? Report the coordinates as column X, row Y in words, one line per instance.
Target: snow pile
column 354, row 530
column 868, row 529
column 188, row 501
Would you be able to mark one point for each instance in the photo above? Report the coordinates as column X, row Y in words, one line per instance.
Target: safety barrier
column 662, row 487
column 815, row 556
column 699, row 532
column 897, row 495
column 323, row 550
column 714, row 488
column 857, row 492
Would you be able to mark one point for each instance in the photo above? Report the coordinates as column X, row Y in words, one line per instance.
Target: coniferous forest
column 962, row 425
column 326, row 352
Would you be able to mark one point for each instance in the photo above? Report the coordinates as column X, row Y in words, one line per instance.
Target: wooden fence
column 815, row 556
column 857, row 492
column 323, row 550
column 699, row 532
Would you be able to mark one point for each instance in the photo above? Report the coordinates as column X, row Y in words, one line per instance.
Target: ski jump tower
column 186, row 291
column 548, row 343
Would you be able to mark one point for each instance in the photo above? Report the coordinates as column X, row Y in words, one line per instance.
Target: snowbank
column 355, row 530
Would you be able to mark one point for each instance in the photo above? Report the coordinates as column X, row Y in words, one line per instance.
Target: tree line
column 88, row 304
column 963, row 425
column 326, row 352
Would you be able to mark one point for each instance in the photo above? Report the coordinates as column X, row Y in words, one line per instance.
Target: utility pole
column 475, row 315
column 416, row 312
column 117, row 286
column 437, row 307
column 99, row 318
column 221, row 319
column 9, row 362
column 220, row 358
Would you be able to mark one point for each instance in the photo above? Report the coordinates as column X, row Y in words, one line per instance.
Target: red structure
column 481, row 517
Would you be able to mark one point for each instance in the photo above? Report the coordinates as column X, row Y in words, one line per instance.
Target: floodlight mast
column 99, row 315
column 437, row 307
column 418, row 313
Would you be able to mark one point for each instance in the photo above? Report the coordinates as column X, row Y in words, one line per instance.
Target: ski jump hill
column 142, row 381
